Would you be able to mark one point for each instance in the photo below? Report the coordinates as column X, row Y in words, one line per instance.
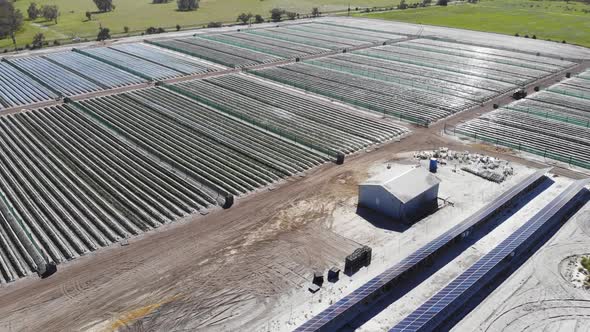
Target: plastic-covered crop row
column 428, row 84
column 426, row 72
column 74, row 186
column 98, row 72
column 353, row 33
column 130, row 63
column 16, row 89
column 266, row 45
column 549, row 138
column 575, row 87
column 173, row 60
column 479, row 51
column 258, row 41
column 482, row 66
column 402, row 91
column 578, row 82
column 527, row 63
column 209, row 146
column 570, row 90
column 314, row 36
column 275, row 33
column 436, row 63
column 384, row 104
column 342, row 118
column 561, row 99
column 54, row 76
column 312, row 133
column 352, row 36
column 226, row 55
column 552, row 111
column 406, row 102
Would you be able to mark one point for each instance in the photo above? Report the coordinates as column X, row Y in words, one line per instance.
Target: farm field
column 72, row 187
column 554, row 20
column 245, row 150
column 139, row 15
column 553, row 123
column 420, row 81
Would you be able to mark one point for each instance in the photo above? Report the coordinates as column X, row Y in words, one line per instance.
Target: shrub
column 186, row 5
column 276, row 14
column 214, row 25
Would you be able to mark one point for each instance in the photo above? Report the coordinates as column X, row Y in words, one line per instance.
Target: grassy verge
column 554, row 20
column 138, row 15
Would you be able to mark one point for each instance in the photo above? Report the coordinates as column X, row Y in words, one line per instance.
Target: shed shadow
column 380, row 221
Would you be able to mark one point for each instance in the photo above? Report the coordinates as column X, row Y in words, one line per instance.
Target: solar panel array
column 440, row 306
column 347, row 303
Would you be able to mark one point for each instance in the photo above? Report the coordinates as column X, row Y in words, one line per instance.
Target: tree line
column 12, row 19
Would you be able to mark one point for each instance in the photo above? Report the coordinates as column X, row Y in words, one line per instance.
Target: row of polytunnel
column 298, row 118
column 42, row 78
column 553, row 123
column 90, row 173
column 216, row 51
column 71, row 186
column 397, row 100
column 254, row 46
column 17, row 89
column 225, row 154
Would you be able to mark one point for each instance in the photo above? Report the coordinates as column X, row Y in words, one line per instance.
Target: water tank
column 433, row 165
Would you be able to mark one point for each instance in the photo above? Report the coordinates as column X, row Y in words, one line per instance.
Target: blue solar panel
column 433, row 311
column 367, row 290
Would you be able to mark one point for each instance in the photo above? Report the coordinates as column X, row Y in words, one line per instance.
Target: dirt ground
column 538, row 297
column 224, row 271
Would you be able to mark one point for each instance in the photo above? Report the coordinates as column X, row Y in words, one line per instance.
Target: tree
column 50, row 12
column 291, row 15
column 214, row 25
column 38, row 40
column 442, row 2
column 178, row 27
column 33, row 11
column 104, row 5
column 103, row 34
column 244, row 18
column 403, row 4
column 186, row 5
column 11, row 20
column 276, row 14
column 426, row 2
column 258, row 18
column 315, row 11
column 88, row 16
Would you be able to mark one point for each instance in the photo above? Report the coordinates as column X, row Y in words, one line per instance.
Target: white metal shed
column 404, row 197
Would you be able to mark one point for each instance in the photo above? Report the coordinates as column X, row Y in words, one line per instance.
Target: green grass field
column 141, row 14
column 555, row 20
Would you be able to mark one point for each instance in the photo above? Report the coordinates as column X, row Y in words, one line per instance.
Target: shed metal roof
column 407, row 185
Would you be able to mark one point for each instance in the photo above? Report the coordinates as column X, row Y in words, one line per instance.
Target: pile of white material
column 487, row 167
